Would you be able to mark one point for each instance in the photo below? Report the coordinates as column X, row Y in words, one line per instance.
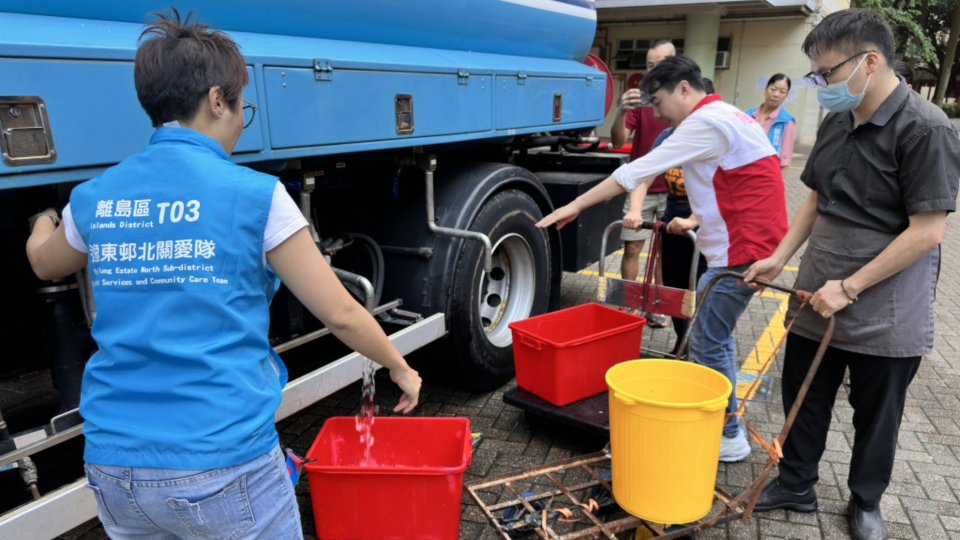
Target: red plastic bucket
column 411, row 491
column 563, row 356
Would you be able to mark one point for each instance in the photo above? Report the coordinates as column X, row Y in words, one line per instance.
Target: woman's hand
column 561, row 216
column 409, row 381
column 302, row 268
column 50, row 254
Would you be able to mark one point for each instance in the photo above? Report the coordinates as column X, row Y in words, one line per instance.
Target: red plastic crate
column 412, row 490
column 563, row 356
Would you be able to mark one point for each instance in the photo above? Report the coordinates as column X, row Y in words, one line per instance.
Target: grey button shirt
column 869, row 181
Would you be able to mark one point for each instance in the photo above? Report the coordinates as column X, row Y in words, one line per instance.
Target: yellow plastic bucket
column 666, row 420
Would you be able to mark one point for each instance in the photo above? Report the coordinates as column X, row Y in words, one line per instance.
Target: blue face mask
column 837, row 97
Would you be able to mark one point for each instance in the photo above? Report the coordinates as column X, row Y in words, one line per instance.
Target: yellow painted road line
column 753, row 365
column 606, row 274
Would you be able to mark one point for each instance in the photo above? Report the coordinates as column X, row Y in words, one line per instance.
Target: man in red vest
column 736, row 192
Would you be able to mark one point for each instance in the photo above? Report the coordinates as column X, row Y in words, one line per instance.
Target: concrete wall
column 759, row 49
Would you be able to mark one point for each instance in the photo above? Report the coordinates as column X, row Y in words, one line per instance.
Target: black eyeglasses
column 820, row 79
column 247, row 106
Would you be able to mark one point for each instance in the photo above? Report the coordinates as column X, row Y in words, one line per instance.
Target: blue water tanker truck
column 422, row 139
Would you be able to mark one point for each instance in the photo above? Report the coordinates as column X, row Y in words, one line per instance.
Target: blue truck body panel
column 83, row 70
column 356, row 98
column 560, row 29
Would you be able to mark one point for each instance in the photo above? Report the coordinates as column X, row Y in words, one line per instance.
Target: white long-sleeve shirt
column 733, row 180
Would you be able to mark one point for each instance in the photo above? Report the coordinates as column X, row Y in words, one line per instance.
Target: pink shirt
column 786, row 141
column 646, row 128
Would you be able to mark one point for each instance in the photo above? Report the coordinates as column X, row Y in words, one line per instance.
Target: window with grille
column 631, row 54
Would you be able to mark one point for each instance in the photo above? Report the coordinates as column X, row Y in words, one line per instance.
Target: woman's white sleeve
column 283, row 220
column 70, row 229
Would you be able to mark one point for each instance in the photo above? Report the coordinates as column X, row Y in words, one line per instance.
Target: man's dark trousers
column 878, row 388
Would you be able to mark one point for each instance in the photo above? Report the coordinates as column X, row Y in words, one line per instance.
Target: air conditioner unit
column 723, row 60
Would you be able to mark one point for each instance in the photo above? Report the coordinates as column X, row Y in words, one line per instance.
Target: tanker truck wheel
column 518, row 286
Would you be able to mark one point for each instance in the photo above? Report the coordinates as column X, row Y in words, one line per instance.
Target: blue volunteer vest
column 185, row 377
column 776, row 129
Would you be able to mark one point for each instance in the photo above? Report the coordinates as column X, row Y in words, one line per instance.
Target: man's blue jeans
column 246, row 502
column 711, row 338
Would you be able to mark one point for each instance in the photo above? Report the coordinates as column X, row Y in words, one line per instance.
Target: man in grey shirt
column 884, row 174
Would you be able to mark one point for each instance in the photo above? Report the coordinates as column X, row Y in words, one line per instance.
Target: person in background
column 779, row 125
column 632, row 117
column 903, row 70
column 736, row 192
column 184, row 247
column 883, row 176
column 678, row 250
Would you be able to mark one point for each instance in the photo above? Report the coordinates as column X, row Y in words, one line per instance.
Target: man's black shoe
column 774, row 496
column 866, row 524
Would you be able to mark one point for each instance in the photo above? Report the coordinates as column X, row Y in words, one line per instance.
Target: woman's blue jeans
column 249, row 501
column 711, row 338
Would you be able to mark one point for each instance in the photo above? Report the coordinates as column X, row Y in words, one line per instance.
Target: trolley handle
column 754, row 489
column 800, row 294
column 649, row 225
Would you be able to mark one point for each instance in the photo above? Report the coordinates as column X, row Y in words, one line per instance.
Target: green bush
column 952, row 109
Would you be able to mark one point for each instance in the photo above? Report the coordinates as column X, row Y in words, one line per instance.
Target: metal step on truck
column 422, row 139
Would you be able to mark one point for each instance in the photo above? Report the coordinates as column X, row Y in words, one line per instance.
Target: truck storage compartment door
column 90, row 124
column 526, row 101
column 334, row 106
column 93, row 124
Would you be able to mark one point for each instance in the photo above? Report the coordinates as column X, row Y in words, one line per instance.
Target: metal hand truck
column 645, row 296
column 592, row 414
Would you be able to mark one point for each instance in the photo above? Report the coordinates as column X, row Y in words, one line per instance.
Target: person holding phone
column 640, row 120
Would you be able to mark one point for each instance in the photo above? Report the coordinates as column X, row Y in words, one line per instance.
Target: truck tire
column 518, row 287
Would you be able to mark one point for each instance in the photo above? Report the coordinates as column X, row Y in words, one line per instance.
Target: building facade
column 739, row 44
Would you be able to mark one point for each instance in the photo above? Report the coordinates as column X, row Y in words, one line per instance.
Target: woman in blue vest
column 776, row 121
column 182, row 245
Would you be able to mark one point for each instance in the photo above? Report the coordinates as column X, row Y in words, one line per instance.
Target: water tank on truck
column 377, row 115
